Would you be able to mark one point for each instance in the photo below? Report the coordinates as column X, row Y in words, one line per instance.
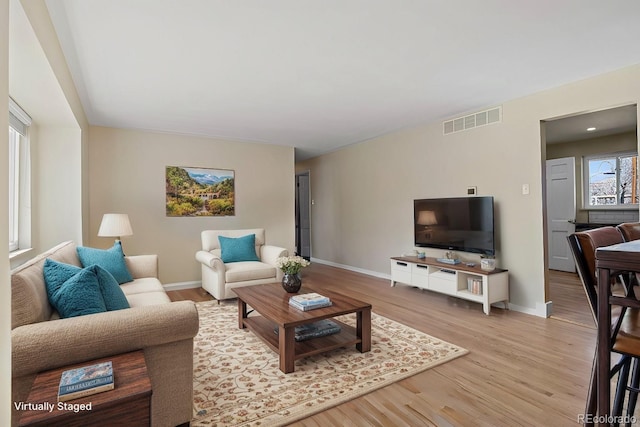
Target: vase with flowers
column 291, row 266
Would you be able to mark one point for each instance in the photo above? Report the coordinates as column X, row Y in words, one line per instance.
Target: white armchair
column 219, row 278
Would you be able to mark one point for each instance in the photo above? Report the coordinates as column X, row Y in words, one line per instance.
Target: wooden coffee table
column 272, row 303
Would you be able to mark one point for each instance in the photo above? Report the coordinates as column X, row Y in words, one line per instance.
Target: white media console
column 458, row 280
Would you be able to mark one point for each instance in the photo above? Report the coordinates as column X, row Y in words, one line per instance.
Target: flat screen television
column 456, row 223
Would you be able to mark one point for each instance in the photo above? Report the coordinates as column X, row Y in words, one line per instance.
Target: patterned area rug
column 237, row 381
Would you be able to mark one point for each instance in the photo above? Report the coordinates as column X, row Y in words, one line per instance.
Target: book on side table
column 85, row 381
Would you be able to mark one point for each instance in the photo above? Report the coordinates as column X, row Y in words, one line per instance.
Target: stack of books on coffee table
column 310, row 301
column 318, row 329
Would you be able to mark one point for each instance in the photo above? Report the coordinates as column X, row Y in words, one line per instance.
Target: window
column 19, row 181
column 611, row 180
column 14, row 189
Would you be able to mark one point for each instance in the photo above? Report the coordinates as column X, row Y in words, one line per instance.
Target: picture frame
column 199, row 192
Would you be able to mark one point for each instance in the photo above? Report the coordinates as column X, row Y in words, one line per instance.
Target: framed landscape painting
column 199, row 191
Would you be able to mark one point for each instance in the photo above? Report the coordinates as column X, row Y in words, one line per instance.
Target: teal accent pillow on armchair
column 111, row 260
column 238, row 249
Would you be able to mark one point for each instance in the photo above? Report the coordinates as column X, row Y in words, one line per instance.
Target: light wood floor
column 569, row 299
column 521, row 369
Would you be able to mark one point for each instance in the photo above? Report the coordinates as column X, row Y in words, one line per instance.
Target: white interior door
column 561, row 212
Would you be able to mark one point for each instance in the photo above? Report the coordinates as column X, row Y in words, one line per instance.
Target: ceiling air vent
column 481, row 118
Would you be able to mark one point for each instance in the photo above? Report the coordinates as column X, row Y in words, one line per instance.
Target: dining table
column 611, row 261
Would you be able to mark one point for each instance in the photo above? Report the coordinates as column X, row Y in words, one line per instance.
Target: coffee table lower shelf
column 264, row 329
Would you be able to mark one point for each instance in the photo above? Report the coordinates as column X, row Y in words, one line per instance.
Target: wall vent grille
column 481, row 118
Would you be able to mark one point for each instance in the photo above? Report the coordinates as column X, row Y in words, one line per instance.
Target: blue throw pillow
column 56, row 273
column 111, row 260
column 238, row 249
column 112, row 294
column 77, row 296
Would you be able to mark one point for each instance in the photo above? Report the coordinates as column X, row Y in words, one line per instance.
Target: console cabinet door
column 446, row 283
column 400, row 272
column 420, row 275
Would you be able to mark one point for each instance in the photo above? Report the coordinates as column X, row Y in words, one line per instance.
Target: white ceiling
column 319, row 75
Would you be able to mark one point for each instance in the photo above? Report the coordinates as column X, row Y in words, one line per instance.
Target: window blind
column 18, row 119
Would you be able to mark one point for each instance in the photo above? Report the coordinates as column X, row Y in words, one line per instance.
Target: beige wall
column 363, row 194
column 127, row 175
column 57, row 186
column 624, row 142
column 5, row 290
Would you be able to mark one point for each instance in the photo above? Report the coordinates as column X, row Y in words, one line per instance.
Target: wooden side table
column 129, row 403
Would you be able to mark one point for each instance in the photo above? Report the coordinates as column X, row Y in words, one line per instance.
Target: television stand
column 459, row 280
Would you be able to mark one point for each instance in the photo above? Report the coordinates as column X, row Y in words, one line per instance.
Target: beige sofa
column 164, row 330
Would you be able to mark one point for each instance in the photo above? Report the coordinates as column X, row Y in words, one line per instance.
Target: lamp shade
column 115, row 225
column 427, row 218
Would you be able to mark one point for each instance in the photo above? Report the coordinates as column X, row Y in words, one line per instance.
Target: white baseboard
column 541, row 310
column 355, row 269
column 182, row 285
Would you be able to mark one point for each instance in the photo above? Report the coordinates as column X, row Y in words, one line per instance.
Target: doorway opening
column 571, row 199
column 303, row 215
